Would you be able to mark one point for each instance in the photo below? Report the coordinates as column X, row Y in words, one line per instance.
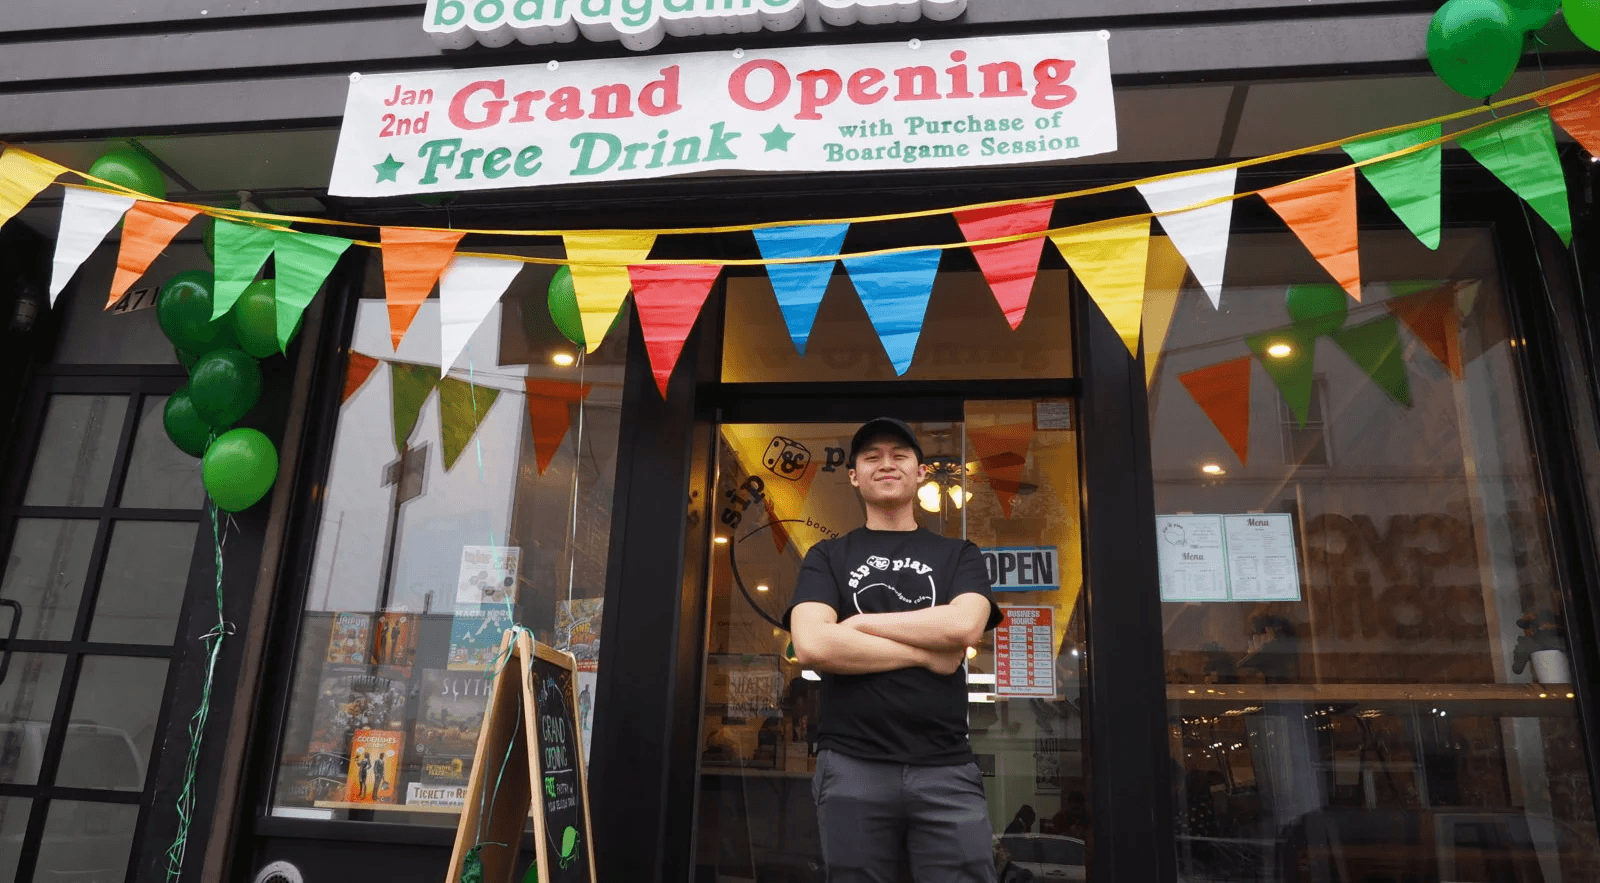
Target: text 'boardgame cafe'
column 1256, row 359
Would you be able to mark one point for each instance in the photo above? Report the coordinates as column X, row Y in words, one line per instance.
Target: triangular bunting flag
column 1200, row 235
column 412, row 262
column 1410, row 184
column 895, row 288
column 668, row 298
column 1002, row 453
column 1289, row 355
column 356, row 372
column 302, row 264
column 86, row 217
column 1009, row 267
column 468, row 291
column 799, row 287
column 1163, row 282
column 1521, row 152
column 1580, row 117
column 1431, row 316
column 1223, row 392
column 1110, row 258
column 146, row 230
column 600, row 262
column 412, row 383
column 22, row 176
column 462, row 409
column 780, row 530
column 1322, row 211
column 549, row 415
column 1375, row 346
column 239, row 251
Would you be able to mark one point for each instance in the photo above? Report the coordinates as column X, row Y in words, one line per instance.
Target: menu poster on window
column 1024, row 651
column 488, row 575
column 1247, row 557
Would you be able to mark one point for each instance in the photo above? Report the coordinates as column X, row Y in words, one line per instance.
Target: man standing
column 886, row 613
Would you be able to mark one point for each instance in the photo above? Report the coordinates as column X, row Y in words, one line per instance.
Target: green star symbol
column 778, row 139
column 388, row 169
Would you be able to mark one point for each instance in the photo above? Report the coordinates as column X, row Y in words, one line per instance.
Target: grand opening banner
column 934, row 104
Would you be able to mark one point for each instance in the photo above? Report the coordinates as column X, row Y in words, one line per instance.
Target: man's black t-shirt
column 910, row 715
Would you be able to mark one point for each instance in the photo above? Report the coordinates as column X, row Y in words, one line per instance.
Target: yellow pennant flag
column 1110, row 258
column 22, row 176
column 600, row 280
column 1163, row 281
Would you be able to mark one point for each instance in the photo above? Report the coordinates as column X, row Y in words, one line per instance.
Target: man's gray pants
column 873, row 815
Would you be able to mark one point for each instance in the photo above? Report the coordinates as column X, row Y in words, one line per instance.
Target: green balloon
column 563, row 303
column 183, row 425
column 224, row 385
column 255, row 318
column 1531, row 15
column 132, row 170
column 185, row 358
column 239, row 468
column 1583, row 17
column 1473, row 46
column 183, row 310
column 225, row 338
column 1319, row 309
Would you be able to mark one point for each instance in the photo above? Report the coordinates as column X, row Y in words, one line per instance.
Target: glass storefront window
column 1363, row 623
column 454, row 507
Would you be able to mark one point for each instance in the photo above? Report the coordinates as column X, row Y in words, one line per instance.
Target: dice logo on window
column 787, row 458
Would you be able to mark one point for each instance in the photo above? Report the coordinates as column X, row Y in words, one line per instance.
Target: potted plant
column 1544, row 644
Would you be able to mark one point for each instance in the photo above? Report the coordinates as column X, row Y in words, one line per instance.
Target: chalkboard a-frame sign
column 528, row 764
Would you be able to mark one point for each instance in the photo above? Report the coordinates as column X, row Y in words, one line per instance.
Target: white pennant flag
column 1200, row 235
column 468, row 290
column 86, row 217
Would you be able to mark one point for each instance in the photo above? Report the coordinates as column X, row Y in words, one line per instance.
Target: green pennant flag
column 239, row 251
column 411, row 383
column 304, row 261
column 1375, row 346
column 1521, row 152
column 1289, row 354
column 1410, row 183
column 462, row 408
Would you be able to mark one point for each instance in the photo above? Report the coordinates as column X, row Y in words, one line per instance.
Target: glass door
column 1005, row 477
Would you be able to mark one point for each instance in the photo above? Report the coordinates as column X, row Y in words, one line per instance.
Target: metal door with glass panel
column 99, row 530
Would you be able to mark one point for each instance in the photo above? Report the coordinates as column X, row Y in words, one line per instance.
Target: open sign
column 1022, row 568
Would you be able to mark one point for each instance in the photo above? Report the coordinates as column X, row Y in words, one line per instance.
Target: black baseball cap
column 877, row 428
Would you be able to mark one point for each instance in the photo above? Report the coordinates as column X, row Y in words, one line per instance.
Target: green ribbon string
column 197, row 724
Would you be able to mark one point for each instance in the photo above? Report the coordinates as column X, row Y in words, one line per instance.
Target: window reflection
column 1377, row 713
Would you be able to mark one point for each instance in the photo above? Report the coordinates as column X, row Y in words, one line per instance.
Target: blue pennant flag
column 895, row 288
column 800, row 287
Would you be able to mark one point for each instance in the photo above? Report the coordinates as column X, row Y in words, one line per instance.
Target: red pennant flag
column 1009, row 267
column 147, row 228
column 356, row 373
column 1322, row 212
column 412, row 263
column 1580, row 117
column 1223, row 392
column 1431, row 316
column 668, row 298
column 1002, row 452
column 549, row 414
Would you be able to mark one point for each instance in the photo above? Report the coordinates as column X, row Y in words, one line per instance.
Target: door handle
column 16, row 623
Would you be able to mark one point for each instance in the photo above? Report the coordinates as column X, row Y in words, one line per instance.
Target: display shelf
column 1503, row 700
column 386, row 807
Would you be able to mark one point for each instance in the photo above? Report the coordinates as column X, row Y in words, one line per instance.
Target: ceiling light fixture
column 1212, row 469
column 1280, row 351
column 565, row 360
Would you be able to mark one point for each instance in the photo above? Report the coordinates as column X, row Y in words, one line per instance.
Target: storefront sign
column 641, row 24
column 940, row 104
column 1022, row 568
column 1227, row 557
column 1024, row 652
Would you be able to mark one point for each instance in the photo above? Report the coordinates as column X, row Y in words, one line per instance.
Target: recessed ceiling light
column 1212, row 469
column 564, row 359
column 1280, row 350
column 720, row 540
column 763, row 588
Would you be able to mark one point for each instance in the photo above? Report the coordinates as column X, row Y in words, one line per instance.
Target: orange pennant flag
column 549, row 414
column 147, row 228
column 1580, row 117
column 1431, row 316
column 1223, row 392
column 22, row 176
column 412, row 263
column 356, row 373
column 1002, row 453
column 1322, row 211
